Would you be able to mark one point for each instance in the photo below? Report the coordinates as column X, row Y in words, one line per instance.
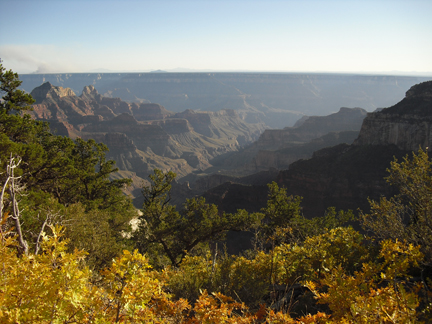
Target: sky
column 342, row 36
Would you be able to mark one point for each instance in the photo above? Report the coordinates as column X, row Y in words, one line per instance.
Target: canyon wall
column 345, row 176
column 408, row 124
column 277, row 99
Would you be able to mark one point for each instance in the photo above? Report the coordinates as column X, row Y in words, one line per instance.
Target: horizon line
column 191, row 71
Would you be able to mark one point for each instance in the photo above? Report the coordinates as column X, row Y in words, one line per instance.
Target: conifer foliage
column 44, row 177
column 176, row 234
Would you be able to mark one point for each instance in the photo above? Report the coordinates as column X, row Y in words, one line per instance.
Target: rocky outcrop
column 62, row 105
column 408, row 124
column 61, row 128
column 118, row 143
column 144, row 136
column 343, row 176
column 90, row 93
column 197, row 160
column 57, row 103
column 115, row 105
column 346, row 175
column 214, row 180
column 222, row 124
column 173, row 126
column 200, row 121
column 150, row 111
column 48, row 91
column 123, row 151
column 229, row 197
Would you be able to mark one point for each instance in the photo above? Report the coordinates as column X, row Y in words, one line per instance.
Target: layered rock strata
column 408, row 124
column 345, row 176
column 143, row 136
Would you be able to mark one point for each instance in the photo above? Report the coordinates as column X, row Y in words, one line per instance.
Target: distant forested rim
column 70, row 254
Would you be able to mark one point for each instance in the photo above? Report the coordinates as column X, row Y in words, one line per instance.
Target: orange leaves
column 220, row 309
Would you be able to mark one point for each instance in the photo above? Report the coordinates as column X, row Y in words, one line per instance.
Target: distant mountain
column 143, row 136
column 277, row 99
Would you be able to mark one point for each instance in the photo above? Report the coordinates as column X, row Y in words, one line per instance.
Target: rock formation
column 48, row 91
column 278, row 148
column 344, row 176
column 408, row 124
column 347, row 119
column 278, row 99
column 143, row 136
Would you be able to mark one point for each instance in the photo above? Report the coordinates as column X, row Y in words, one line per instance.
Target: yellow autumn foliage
column 56, row 286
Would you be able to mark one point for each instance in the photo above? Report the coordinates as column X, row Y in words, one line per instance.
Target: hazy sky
column 224, row 35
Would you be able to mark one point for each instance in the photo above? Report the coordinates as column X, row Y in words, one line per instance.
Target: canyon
column 346, row 175
column 335, row 160
column 276, row 99
column 143, row 136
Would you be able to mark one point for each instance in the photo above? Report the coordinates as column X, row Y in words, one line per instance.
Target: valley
column 338, row 159
column 346, row 175
column 277, row 99
column 273, row 197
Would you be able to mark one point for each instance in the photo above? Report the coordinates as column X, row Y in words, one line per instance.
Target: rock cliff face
column 408, row 124
column 149, row 111
column 144, row 136
column 48, row 91
column 344, row 176
column 173, row 126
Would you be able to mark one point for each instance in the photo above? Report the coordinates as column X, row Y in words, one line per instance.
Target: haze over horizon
column 381, row 36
